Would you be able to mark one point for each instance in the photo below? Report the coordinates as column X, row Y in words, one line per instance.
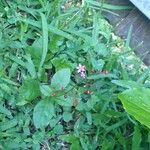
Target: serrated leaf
column 43, row 112
column 61, row 79
column 137, row 103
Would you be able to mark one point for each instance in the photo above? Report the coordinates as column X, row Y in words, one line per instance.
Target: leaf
column 127, row 44
column 89, row 118
column 5, row 111
column 5, row 88
column 8, row 124
column 101, row 49
column 45, row 90
column 43, row 112
column 67, row 102
column 136, row 140
column 97, row 64
column 137, row 103
column 67, row 116
column 50, row 28
column 101, row 76
column 126, row 84
column 30, row 66
column 63, row 62
column 45, row 39
column 61, row 79
column 108, row 6
column 73, row 140
column 55, row 43
column 29, row 90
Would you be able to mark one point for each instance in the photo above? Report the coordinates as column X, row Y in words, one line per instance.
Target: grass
column 45, row 103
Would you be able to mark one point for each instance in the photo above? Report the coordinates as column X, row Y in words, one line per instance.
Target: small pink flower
column 81, row 70
column 82, row 74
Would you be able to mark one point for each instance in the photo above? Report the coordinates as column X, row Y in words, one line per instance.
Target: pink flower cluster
column 81, row 70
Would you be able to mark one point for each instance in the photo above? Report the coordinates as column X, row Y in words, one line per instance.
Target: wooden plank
column 141, row 28
column 143, row 6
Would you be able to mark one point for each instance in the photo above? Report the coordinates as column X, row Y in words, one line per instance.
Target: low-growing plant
column 61, row 71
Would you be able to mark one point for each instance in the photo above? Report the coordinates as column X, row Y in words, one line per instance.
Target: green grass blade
column 45, row 39
column 129, row 37
column 136, row 140
column 50, row 28
column 108, row 6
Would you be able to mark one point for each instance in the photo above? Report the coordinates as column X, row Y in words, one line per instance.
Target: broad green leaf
column 29, row 90
column 136, row 140
column 73, row 140
column 45, row 90
column 101, row 49
column 58, row 129
column 43, row 112
column 60, row 63
column 67, row 116
column 97, row 64
column 137, row 103
column 68, row 102
column 61, row 79
column 55, row 43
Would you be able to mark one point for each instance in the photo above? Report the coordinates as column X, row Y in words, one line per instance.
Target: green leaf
column 73, row 140
column 67, row 116
column 101, row 49
column 29, row 90
column 89, row 118
column 102, row 76
column 50, row 28
column 43, row 112
column 129, row 37
column 108, row 6
column 45, row 39
column 8, row 124
column 136, row 140
column 60, row 63
column 137, row 103
column 97, row 64
column 126, row 84
column 45, row 90
column 61, row 79
column 5, row 111
column 30, row 66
